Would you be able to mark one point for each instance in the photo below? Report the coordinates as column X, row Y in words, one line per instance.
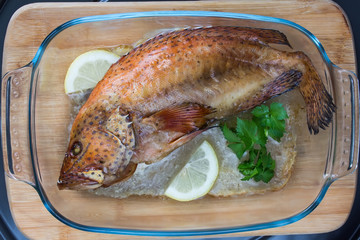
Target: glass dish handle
column 15, row 124
column 346, row 140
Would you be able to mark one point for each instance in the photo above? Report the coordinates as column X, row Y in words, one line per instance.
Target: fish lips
column 81, row 180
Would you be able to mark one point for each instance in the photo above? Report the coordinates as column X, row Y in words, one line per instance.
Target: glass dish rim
column 166, row 233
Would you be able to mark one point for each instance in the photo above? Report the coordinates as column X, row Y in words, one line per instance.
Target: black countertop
column 351, row 228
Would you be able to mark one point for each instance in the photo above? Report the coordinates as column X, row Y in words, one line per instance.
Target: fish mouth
column 81, row 180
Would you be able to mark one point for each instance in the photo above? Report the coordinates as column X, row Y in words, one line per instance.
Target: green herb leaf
column 246, row 165
column 260, row 137
column 251, row 136
column 250, row 133
column 264, row 176
column 230, row 136
column 246, row 130
column 238, row 148
column 277, row 111
column 249, row 173
column 276, row 134
column 272, row 121
column 260, row 111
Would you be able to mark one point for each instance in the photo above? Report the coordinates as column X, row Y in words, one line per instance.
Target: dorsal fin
column 271, row 36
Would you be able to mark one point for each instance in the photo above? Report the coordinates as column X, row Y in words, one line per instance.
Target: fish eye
column 76, row 148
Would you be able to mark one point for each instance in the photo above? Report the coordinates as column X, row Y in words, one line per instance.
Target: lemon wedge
column 88, row 69
column 197, row 177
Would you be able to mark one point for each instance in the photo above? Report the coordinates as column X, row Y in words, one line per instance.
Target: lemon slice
column 88, row 69
column 197, row 177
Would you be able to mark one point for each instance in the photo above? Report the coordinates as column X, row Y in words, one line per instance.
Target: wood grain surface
column 32, row 23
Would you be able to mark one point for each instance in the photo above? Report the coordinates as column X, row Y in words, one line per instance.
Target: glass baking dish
column 35, row 114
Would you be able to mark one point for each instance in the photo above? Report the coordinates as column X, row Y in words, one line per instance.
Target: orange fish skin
column 182, row 60
column 226, row 69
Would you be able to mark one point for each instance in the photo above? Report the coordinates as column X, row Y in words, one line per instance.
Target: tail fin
column 319, row 103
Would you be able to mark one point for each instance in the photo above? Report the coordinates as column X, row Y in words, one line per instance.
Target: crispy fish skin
column 191, row 60
column 176, row 85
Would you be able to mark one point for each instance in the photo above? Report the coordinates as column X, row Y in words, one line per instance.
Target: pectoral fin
column 283, row 83
column 184, row 118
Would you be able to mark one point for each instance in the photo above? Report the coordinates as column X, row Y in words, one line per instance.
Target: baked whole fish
column 176, row 85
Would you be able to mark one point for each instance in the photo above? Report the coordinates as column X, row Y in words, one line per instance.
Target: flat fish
column 176, row 85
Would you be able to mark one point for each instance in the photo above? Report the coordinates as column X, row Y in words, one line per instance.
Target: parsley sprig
column 251, row 136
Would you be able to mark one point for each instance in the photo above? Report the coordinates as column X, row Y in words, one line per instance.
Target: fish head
column 95, row 157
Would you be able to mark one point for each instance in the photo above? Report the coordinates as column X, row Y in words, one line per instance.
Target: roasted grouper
column 174, row 86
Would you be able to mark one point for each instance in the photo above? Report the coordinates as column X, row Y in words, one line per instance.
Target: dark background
column 350, row 230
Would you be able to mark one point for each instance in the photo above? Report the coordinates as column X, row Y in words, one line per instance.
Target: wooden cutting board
column 32, row 23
